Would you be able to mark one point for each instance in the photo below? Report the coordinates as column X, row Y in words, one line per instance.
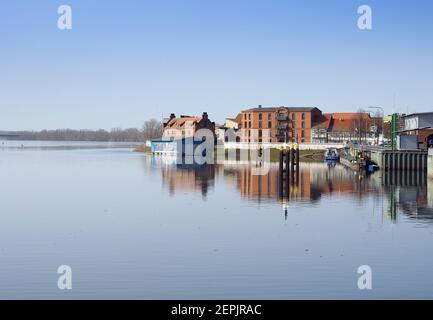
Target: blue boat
column 331, row 155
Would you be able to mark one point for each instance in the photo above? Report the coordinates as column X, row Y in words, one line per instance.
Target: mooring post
column 297, row 165
column 281, row 173
column 292, row 165
column 287, row 158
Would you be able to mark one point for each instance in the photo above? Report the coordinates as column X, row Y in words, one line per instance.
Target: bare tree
column 152, row 129
column 360, row 127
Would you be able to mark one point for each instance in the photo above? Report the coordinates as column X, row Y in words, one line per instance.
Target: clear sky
column 126, row 61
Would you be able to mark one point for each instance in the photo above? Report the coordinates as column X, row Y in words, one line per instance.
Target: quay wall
column 400, row 160
column 430, row 164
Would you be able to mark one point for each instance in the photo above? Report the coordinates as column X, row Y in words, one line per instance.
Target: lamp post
column 383, row 115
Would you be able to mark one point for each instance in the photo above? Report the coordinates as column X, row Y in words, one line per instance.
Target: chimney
column 205, row 116
column 172, row 116
column 260, row 106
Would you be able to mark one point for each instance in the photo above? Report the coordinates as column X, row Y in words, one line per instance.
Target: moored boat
column 331, row 155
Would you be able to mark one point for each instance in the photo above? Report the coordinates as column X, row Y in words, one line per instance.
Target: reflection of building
column 191, row 178
column 410, row 193
column 315, row 180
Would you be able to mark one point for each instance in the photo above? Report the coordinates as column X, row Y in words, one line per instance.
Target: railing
column 278, row 145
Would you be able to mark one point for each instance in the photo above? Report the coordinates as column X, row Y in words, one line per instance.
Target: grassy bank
column 143, row 149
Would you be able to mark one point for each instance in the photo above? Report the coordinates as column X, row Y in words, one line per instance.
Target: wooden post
column 292, row 165
column 287, row 159
column 297, row 166
column 281, row 174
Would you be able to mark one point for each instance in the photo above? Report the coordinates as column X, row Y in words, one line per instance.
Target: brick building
column 280, row 124
column 186, row 126
column 421, row 126
column 346, row 126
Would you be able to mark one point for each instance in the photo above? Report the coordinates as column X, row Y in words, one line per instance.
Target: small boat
column 331, row 155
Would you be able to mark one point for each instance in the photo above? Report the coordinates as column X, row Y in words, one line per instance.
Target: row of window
column 248, row 124
column 266, row 140
column 247, row 116
column 293, row 134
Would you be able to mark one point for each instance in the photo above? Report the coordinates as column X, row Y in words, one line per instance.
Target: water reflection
column 408, row 193
column 184, row 177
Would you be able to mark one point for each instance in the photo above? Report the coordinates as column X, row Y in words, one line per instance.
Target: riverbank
column 305, row 155
column 143, row 149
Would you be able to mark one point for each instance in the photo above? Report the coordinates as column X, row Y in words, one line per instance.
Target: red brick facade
column 278, row 124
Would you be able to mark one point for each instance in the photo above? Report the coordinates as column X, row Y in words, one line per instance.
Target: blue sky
column 126, row 61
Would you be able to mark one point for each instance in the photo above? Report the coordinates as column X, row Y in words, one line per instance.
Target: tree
column 152, row 129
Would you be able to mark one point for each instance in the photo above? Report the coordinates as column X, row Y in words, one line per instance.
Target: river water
column 135, row 226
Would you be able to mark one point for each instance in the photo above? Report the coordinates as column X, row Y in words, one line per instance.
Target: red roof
column 344, row 121
column 324, row 122
column 180, row 122
column 351, row 115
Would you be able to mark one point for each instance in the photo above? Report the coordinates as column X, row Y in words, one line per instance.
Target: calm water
column 136, row 226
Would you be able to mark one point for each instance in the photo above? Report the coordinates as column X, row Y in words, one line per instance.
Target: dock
column 405, row 160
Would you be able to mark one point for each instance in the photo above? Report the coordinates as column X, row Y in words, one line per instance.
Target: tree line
column 151, row 129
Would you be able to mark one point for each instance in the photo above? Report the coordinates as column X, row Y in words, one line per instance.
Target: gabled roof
column 180, row 122
column 343, row 121
column 351, row 115
column 324, row 122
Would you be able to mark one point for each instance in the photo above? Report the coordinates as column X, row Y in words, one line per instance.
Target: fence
column 267, row 145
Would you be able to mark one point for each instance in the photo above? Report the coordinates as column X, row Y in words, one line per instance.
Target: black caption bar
column 196, row 310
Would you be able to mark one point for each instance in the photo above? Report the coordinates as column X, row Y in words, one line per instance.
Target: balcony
column 282, row 117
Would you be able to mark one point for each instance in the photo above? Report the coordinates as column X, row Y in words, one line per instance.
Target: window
column 303, row 134
column 303, row 116
column 260, row 133
column 293, row 116
column 303, row 124
column 249, row 124
column 249, row 116
column 260, row 116
column 293, row 124
column 245, row 116
column 260, row 124
column 269, row 124
column 269, row 116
